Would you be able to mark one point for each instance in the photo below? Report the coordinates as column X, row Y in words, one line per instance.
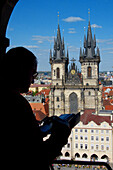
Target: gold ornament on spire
column 58, row 17
column 89, row 14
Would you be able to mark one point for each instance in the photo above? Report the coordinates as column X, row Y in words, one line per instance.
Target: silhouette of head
column 18, row 68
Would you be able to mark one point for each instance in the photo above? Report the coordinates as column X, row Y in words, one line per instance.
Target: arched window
column 77, row 155
column 89, row 72
column 73, row 100
column 67, row 154
column 58, row 72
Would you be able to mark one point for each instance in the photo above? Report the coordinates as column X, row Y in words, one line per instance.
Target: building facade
column 91, row 139
column 72, row 91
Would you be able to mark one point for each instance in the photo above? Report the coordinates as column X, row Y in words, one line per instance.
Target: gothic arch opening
column 77, row 155
column 84, row 155
column 73, row 101
column 94, row 157
column 105, row 157
column 89, row 72
column 58, row 72
column 67, row 154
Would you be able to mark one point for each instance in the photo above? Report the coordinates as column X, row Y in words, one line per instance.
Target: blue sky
column 34, row 23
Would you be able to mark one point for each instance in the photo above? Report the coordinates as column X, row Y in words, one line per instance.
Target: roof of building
column 44, row 91
column 109, row 107
column 40, row 85
column 88, row 117
column 43, row 107
column 39, row 115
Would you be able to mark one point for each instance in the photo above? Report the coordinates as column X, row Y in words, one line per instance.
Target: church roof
column 89, row 47
column 59, row 49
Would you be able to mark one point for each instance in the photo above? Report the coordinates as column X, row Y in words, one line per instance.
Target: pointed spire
column 98, row 52
column 63, row 47
column 94, row 38
column 81, row 52
column 67, row 53
column 50, row 53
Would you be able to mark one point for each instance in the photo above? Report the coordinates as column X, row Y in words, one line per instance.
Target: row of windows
column 92, row 147
column 92, row 138
column 92, row 131
column 89, row 72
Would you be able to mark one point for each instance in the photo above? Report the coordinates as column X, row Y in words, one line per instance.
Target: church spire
column 89, row 45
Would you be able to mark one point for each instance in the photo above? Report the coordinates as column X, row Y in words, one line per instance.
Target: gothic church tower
column 90, row 71
column 59, row 69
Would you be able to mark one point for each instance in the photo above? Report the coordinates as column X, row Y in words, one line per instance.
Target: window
column 102, row 131
column 96, row 131
column 107, row 147
column 76, row 145
column 76, row 137
column 76, row 130
column 89, row 93
column 68, row 145
column 89, row 70
column 81, row 137
column 97, row 147
column 57, row 99
column 85, row 146
column 92, row 137
column 107, row 131
column 102, row 138
column 85, row 130
column 58, row 72
column 81, row 130
column 97, row 138
column 86, row 138
column 92, row 131
column 102, row 147
column 81, row 146
column 92, row 146
column 107, row 138
column 54, row 72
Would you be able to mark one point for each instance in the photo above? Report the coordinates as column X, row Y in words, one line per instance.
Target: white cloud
column 96, row 26
column 71, row 32
column 108, row 41
column 73, row 19
column 31, row 46
column 40, row 39
column 72, row 29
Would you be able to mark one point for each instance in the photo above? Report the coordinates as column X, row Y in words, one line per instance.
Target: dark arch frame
column 6, row 8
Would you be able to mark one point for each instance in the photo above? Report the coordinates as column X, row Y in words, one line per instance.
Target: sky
column 33, row 24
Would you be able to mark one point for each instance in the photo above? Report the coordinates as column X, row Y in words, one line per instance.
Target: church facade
column 72, row 91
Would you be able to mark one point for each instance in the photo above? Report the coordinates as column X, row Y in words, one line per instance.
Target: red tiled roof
column 44, row 108
column 106, row 102
column 104, row 88
column 109, row 107
column 39, row 85
column 88, row 117
column 39, row 115
column 44, row 91
column 110, row 93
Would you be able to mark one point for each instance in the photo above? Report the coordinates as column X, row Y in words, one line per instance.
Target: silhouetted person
column 22, row 144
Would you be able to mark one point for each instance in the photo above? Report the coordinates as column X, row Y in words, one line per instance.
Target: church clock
column 72, row 72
